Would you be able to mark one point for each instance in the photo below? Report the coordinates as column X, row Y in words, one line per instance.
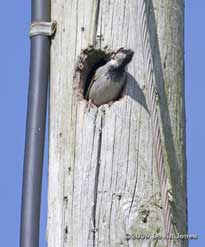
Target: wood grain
column 103, row 185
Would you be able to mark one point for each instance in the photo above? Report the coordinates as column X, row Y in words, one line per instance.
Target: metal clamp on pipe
column 43, row 28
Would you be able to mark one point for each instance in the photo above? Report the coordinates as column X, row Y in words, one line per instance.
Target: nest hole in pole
column 89, row 61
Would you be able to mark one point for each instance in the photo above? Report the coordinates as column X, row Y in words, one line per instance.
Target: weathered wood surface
column 103, row 183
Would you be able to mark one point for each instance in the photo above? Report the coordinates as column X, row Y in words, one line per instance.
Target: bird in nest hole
column 109, row 79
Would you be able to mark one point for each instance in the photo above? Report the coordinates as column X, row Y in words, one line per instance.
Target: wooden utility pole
column 103, row 183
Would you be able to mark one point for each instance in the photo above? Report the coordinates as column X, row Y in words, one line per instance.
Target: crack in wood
column 136, row 178
column 97, row 17
column 97, row 171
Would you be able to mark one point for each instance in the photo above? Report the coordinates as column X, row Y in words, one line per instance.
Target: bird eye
column 112, row 66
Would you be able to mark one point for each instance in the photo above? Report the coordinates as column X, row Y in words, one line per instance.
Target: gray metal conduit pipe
column 35, row 129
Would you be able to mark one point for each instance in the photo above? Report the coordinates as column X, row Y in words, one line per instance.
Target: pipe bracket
column 42, row 28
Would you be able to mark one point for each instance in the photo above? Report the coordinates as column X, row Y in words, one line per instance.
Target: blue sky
column 14, row 64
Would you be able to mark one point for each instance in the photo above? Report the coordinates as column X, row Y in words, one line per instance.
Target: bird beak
column 130, row 53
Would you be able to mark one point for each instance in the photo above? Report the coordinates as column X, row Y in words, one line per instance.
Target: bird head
column 121, row 58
